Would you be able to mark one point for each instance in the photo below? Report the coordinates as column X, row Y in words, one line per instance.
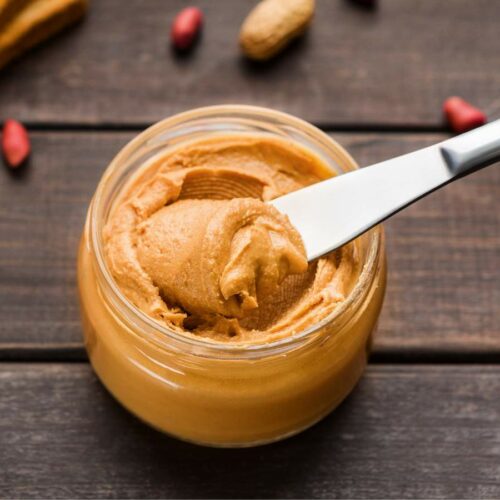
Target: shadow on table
column 284, row 61
column 165, row 466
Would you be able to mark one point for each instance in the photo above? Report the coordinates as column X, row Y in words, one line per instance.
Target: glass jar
column 223, row 394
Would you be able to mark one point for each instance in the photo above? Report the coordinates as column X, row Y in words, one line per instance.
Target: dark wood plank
column 444, row 253
column 405, row 432
column 393, row 66
column 444, row 261
column 42, row 211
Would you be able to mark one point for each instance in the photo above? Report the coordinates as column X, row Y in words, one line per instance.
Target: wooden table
column 425, row 420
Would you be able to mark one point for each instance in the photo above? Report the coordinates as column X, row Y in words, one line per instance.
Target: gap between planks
column 326, row 127
column 75, row 352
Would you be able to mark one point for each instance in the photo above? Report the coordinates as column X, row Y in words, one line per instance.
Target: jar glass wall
column 223, row 394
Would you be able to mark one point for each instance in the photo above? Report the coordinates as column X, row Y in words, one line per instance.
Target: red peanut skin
column 461, row 115
column 186, row 28
column 16, row 145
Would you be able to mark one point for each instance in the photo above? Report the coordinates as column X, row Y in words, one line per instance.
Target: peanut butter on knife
column 26, row 23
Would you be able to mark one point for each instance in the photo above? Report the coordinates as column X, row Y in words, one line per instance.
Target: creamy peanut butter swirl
column 192, row 243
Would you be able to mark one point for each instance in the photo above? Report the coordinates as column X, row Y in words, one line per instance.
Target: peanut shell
column 9, row 9
column 36, row 21
column 272, row 25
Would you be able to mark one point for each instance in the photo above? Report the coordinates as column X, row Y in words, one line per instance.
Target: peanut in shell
column 272, row 25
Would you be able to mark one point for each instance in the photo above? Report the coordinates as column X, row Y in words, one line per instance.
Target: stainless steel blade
column 333, row 212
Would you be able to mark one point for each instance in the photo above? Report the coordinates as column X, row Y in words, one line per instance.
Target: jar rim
column 203, row 346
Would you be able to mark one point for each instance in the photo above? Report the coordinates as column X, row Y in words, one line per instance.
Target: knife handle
column 473, row 150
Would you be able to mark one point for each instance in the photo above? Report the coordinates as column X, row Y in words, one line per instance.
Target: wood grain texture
column 444, row 260
column 405, row 432
column 42, row 210
column 444, row 253
column 393, row 66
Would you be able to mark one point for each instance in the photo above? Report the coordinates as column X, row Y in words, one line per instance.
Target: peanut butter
column 184, row 232
column 192, row 242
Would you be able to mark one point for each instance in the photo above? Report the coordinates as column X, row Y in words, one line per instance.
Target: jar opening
column 194, row 124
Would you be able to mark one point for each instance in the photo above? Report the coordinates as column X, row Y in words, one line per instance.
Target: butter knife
column 333, row 212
